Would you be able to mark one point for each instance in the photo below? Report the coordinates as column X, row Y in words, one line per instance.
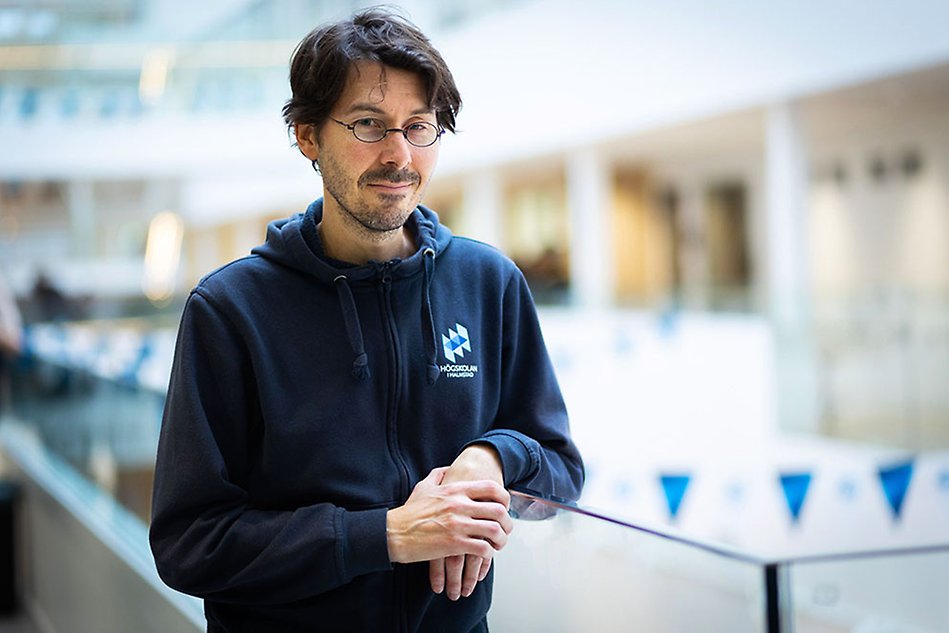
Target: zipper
column 395, row 392
column 395, row 396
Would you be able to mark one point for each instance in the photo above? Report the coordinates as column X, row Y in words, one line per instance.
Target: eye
column 369, row 123
column 421, row 133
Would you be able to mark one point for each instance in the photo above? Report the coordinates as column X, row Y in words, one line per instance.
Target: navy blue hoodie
column 309, row 396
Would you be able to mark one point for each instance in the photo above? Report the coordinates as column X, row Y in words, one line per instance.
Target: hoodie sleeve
column 208, row 538
column 531, row 432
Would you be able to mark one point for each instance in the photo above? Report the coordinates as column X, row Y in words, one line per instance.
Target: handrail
column 668, row 533
column 525, row 496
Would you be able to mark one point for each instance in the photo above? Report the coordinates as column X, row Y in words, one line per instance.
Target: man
column 348, row 403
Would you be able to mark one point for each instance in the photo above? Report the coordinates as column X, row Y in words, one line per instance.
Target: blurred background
column 734, row 217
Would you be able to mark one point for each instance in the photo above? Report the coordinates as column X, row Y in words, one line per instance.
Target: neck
column 355, row 244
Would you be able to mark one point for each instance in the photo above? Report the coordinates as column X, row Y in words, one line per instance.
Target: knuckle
column 499, row 541
column 453, row 522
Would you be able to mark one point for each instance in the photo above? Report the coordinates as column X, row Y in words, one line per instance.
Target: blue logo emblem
column 456, row 343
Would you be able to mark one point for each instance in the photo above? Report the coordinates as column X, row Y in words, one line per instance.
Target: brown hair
column 320, row 65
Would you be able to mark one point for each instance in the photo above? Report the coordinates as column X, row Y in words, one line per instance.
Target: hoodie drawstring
column 428, row 321
column 347, row 304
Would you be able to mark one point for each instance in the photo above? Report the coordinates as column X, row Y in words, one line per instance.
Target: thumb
column 434, row 478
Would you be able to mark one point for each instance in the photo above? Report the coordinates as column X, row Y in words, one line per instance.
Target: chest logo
column 456, row 343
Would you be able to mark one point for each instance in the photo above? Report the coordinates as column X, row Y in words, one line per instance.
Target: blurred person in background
column 11, row 340
column 349, row 403
column 47, row 300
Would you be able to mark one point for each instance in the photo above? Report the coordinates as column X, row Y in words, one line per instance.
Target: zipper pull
column 386, row 273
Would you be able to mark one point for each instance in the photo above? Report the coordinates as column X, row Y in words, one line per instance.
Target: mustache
column 389, row 175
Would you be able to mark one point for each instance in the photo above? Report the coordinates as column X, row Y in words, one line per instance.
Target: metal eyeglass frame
column 404, row 130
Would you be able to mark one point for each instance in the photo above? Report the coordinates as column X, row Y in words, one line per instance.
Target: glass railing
column 900, row 590
column 568, row 568
column 572, row 568
column 93, row 399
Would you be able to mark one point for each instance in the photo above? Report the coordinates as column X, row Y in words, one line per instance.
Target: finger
column 436, row 574
column 437, row 474
column 454, row 566
column 489, row 531
column 483, row 490
column 470, row 575
column 507, row 523
column 485, row 567
column 493, row 512
column 432, row 480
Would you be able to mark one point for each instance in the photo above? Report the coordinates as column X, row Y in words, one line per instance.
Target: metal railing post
column 777, row 599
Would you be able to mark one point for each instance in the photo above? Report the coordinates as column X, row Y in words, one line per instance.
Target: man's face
column 377, row 184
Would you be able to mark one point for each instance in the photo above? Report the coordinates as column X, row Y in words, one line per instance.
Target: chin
column 387, row 223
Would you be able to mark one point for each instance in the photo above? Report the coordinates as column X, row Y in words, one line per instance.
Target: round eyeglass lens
column 369, row 130
column 421, row 134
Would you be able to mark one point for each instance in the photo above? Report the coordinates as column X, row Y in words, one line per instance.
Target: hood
column 295, row 242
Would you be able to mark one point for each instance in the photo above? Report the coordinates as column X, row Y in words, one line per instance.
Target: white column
column 785, row 191
column 482, row 208
column 787, row 270
column 591, row 245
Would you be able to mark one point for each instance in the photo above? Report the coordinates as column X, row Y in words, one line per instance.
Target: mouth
column 392, row 187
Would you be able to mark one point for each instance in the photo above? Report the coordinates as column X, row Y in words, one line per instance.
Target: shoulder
column 472, row 266
column 470, row 252
column 233, row 273
column 248, row 279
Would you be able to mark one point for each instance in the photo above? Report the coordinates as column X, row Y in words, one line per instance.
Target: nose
column 396, row 150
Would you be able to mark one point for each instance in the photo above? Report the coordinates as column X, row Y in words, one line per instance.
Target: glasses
column 419, row 134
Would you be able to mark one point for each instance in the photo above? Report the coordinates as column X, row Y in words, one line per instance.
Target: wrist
column 392, row 536
column 484, row 460
column 491, row 455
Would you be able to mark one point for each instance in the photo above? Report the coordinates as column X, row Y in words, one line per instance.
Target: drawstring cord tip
column 361, row 367
column 433, row 373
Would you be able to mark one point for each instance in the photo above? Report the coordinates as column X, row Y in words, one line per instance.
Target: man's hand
column 458, row 575
column 444, row 518
column 478, row 462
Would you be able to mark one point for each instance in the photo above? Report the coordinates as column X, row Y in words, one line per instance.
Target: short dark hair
column 320, row 65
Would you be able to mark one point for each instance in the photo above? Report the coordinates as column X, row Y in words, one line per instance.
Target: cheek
column 425, row 164
column 348, row 166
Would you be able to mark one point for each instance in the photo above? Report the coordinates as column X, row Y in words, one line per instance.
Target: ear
column 306, row 140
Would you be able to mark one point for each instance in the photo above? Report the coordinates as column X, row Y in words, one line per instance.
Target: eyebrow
column 369, row 107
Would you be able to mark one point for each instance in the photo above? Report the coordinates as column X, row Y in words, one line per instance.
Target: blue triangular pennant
column 895, row 481
column 674, row 487
column 795, row 486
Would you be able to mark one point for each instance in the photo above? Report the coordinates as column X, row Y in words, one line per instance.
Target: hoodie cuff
column 361, row 543
column 520, row 455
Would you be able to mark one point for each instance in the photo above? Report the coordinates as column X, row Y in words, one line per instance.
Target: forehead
column 374, row 87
